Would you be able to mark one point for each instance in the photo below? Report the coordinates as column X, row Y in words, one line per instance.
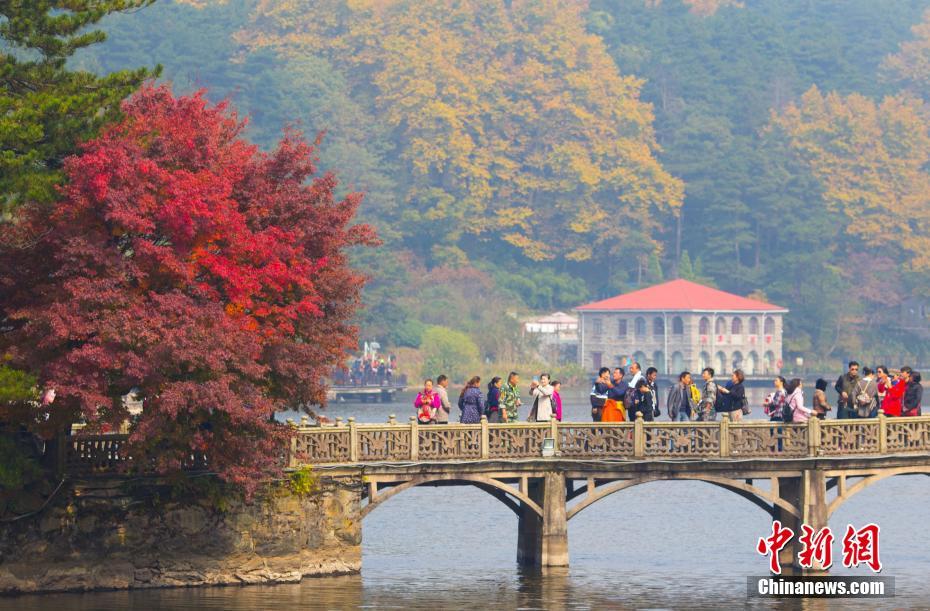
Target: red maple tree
column 183, row 262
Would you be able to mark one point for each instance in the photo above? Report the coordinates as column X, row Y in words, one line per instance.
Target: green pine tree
column 45, row 108
column 655, row 269
column 685, row 269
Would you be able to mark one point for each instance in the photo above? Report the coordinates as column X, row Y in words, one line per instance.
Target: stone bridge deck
column 549, row 472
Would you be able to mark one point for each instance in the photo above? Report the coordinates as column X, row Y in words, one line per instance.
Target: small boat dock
column 364, row 394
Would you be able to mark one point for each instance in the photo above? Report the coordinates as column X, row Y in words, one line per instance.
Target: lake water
column 664, row 545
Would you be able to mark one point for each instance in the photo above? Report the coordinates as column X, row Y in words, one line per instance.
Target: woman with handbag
column 734, row 396
column 471, row 402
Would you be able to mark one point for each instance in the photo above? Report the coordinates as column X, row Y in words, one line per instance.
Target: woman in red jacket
column 894, row 393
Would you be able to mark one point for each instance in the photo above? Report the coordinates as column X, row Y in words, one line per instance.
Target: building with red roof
column 681, row 325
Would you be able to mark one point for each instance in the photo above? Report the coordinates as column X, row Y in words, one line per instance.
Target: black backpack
column 718, row 400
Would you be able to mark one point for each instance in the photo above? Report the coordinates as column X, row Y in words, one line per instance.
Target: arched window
column 678, row 326
column 704, row 361
column 752, row 364
column 720, row 363
column 753, row 326
column 704, row 326
column 678, row 362
column 658, row 358
column 621, row 328
column 738, row 360
column 769, row 325
column 769, row 362
column 639, row 326
column 658, row 326
column 640, row 357
column 736, row 326
column 721, row 326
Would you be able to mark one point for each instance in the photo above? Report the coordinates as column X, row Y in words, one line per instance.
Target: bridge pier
column 543, row 541
column 809, row 494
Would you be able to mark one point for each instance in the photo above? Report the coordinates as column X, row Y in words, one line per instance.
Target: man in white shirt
column 445, row 408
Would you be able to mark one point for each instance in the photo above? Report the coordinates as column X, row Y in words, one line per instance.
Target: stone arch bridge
column 547, row 473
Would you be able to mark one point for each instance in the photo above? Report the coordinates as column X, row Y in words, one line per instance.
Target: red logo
column 775, row 543
column 817, row 547
column 859, row 547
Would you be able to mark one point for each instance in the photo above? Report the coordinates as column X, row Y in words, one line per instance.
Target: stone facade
column 101, row 535
column 677, row 341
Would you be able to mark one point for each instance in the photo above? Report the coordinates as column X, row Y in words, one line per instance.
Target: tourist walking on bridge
column 821, row 405
column 734, row 396
column 774, row 404
column 707, row 409
column 599, row 392
column 542, row 403
column 636, row 372
column 678, row 402
column 866, row 393
column 644, row 401
column 445, row 406
column 894, row 393
column 913, row 395
column 510, row 398
column 799, row 413
column 614, row 411
column 426, row 403
column 846, row 389
column 493, row 407
column 557, row 399
column 471, row 402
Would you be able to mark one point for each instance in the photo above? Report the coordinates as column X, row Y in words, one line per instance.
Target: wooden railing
column 352, row 443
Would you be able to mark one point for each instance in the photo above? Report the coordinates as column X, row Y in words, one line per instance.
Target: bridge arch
column 507, row 494
column 844, row 493
column 763, row 499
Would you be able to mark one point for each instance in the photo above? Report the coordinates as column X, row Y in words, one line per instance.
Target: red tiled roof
column 681, row 295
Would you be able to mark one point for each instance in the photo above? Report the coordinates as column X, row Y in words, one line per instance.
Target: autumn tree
column 185, row 264
column 515, row 128
column 910, row 66
column 871, row 159
column 46, row 108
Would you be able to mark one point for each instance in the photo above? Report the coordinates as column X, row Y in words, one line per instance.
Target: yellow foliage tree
column 910, row 66
column 704, row 8
column 871, row 160
column 513, row 123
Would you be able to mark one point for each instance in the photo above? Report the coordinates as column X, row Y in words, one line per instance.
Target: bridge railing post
column 813, row 436
column 882, row 432
column 485, row 438
column 554, row 433
column 414, row 438
column 353, row 440
column 725, row 434
column 292, row 451
column 639, row 436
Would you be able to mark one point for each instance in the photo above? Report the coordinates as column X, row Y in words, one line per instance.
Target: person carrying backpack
column 643, row 402
column 709, row 397
column 795, row 401
column 773, row 404
column 866, row 394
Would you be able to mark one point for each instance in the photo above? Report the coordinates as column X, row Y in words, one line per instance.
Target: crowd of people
column 895, row 393
column 614, row 399
column 368, row 370
column 500, row 403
